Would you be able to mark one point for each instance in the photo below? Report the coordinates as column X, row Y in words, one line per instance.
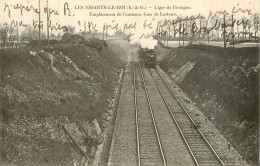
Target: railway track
column 149, row 148
column 197, row 144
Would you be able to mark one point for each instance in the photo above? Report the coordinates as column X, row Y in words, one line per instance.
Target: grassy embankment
column 41, row 89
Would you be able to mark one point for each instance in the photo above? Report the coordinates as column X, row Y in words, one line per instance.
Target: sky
column 150, row 7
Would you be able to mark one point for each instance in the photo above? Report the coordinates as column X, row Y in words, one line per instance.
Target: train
column 149, row 56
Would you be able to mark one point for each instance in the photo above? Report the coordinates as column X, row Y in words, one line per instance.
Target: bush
column 95, row 43
column 43, row 42
column 72, row 38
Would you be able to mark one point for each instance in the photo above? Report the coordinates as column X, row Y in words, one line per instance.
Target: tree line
column 218, row 28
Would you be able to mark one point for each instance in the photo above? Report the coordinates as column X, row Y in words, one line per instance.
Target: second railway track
column 200, row 149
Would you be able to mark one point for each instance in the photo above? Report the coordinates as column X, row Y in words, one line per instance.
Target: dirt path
column 122, row 147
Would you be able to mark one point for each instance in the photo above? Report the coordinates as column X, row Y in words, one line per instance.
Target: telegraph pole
column 200, row 29
column 164, row 36
column 85, row 27
column 39, row 22
column 174, row 31
column 224, row 32
column 233, row 36
column 51, row 34
column 17, row 37
column 169, row 35
column 89, row 25
column 159, row 29
column 183, row 35
column 249, row 35
column 106, row 33
column 256, row 27
column 180, row 35
column 48, row 22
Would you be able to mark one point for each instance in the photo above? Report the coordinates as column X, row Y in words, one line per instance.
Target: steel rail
column 136, row 118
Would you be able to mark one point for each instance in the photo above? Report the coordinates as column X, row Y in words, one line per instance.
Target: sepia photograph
column 129, row 82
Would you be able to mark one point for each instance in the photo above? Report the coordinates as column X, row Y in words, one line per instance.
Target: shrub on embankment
column 43, row 42
column 224, row 84
column 42, row 88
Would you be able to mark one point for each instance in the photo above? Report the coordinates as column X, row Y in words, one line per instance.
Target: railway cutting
column 153, row 126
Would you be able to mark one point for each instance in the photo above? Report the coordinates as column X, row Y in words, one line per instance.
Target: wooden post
column 75, row 144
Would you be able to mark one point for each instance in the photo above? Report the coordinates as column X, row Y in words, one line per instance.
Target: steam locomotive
column 149, row 56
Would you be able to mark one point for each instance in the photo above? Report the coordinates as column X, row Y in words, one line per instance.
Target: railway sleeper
column 155, row 158
column 197, row 143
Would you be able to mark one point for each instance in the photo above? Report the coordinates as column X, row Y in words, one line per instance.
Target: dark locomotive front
column 149, row 57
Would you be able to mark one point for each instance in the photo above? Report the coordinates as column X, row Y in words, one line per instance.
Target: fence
column 8, row 45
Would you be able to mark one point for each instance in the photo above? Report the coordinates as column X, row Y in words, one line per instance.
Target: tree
column 256, row 20
column 30, row 33
column 69, row 29
column 192, row 28
column 249, row 25
column 6, row 32
column 244, row 26
column 216, row 23
column 119, row 33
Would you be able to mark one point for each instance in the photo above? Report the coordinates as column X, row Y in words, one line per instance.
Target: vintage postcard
column 129, row 82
